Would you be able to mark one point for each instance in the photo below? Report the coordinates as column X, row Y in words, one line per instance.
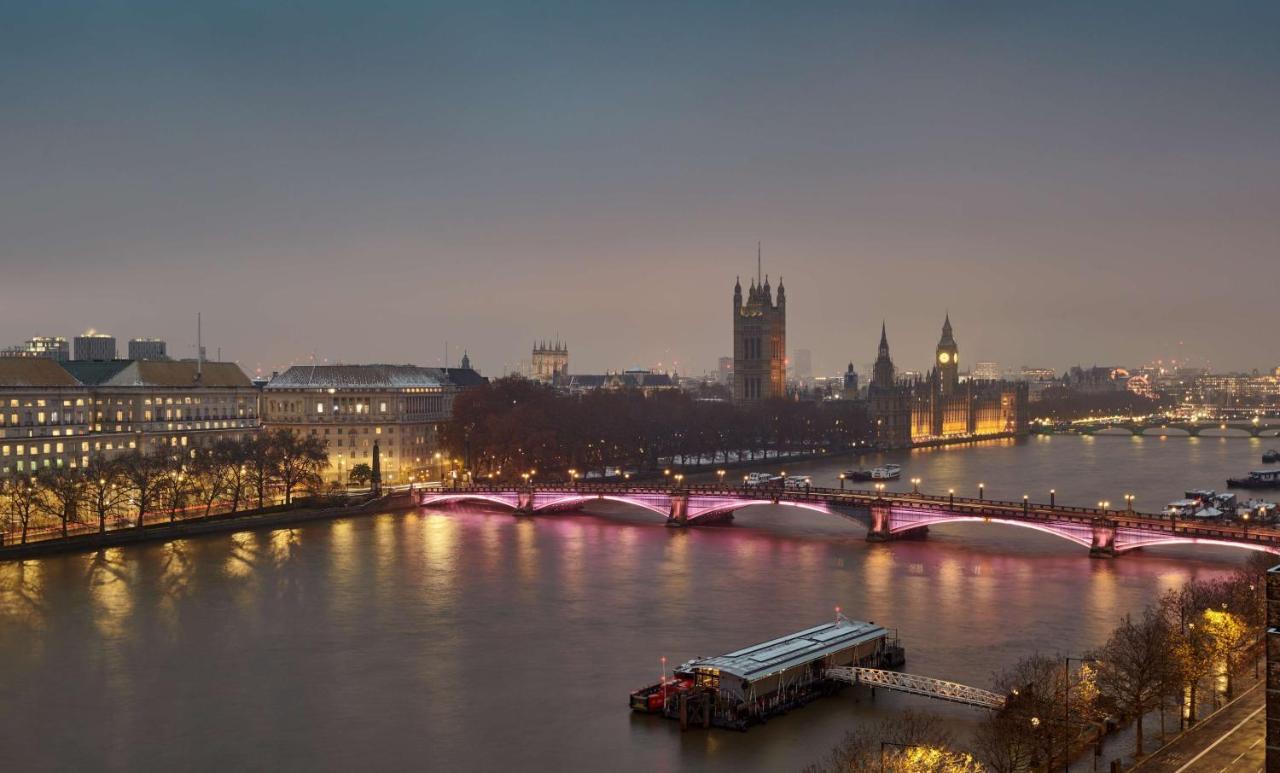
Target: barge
column 750, row 685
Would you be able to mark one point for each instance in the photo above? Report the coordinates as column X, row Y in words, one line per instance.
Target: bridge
column 917, row 685
column 1256, row 428
column 885, row 515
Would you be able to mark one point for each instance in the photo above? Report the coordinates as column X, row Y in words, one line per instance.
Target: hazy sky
column 1075, row 182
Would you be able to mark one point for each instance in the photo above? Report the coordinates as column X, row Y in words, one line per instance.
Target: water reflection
column 480, row 640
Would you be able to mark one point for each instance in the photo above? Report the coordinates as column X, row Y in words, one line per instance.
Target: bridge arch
column 497, row 499
column 1080, row 534
column 1126, row 546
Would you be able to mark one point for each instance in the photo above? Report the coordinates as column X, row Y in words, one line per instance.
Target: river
column 472, row 639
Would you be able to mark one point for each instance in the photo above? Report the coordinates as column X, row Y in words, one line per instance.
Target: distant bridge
column 1262, row 427
column 885, row 515
column 917, row 685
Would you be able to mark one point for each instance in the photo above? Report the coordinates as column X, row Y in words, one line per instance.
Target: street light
column 982, row 487
column 720, row 475
column 1026, row 504
column 915, row 485
column 1053, row 493
column 951, row 497
column 1128, row 499
column 1066, row 709
column 842, row 481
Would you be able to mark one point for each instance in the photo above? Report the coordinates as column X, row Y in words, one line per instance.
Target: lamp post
column 1053, row 493
column 720, row 475
column 951, row 497
column 678, row 478
column 1026, row 504
column 915, row 485
column 1128, row 501
column 842, row 481
column 1066, row 710
column 982, row 488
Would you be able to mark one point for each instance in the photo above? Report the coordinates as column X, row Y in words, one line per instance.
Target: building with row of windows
column 62, row 414
column 400, row 408
column 47, row 347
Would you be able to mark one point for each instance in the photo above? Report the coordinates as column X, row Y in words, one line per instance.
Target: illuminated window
column 319, row 407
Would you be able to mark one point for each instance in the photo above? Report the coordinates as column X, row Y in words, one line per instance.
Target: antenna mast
column 199, row 348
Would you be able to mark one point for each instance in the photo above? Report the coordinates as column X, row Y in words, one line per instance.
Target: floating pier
column 746, row 686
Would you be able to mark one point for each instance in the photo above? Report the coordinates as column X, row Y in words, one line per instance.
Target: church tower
column 759, row 340
column 947, row 361
column 883, row 375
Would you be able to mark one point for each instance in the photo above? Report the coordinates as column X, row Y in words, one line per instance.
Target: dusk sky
column 1075, row 183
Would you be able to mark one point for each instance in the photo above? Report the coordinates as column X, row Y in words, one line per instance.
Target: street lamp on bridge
column 951, row 497
column 842, row 481
column 720, row 475
column 1128, row 501
column 982, row 487
column 915, row 485
column 1053, row 492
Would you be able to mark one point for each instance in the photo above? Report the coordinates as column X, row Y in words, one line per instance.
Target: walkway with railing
column 917, row 685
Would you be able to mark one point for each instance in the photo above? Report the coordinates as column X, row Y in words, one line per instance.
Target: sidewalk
column 1228, row 741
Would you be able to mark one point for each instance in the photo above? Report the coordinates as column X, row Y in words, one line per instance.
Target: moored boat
column 1270, row 456
column 1257, row 479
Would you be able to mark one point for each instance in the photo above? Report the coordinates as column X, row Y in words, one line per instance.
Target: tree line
column 1165, row 661
column 126, row 491
column 513, row 425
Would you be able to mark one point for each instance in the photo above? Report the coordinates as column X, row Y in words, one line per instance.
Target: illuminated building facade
column 56, row 415
column 759, row 342
column 402, row 408
column 940, row 407
column 48, row 347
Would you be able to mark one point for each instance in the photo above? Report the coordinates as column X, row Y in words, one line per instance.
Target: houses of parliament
column 941, row 407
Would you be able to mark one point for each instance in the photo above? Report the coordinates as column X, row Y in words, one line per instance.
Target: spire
column 947, row 339
column 759, row 261
column 884, row 338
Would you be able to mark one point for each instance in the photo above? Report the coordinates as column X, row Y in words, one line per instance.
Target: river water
column 472, row 639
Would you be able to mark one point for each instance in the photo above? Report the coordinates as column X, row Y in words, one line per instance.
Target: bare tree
column 210, row 476
column 176, row 486
column 23, row 496
column 1130, row 667
column 63, row 491
column 298, row 461
column 233, row 456
column 258, row 459
column 105, row 490
column 144, row 477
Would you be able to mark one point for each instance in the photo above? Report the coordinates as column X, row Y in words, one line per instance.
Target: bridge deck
column 1027, row 512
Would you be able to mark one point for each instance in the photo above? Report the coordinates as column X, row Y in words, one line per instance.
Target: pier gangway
column 918, row 685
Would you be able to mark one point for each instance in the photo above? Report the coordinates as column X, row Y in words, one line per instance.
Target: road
column 1231, row 741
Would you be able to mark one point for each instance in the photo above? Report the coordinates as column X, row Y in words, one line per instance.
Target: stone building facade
column 60, row 415
column 402, row 408
column 941, row 407
column 759, row 342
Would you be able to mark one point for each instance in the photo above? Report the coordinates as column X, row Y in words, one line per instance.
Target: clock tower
column 947, row 360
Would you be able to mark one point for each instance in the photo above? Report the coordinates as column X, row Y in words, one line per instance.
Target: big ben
column 947, row 361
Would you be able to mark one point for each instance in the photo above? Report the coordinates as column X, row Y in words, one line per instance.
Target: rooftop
column 157, row 373
column 791, row 650
column 34, row 372
column 372, row 377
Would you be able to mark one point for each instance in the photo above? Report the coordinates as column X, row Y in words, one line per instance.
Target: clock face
column 944, row 358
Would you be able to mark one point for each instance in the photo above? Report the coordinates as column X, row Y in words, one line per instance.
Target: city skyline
column 369, row 185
